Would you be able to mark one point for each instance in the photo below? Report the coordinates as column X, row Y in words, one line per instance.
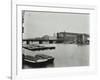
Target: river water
column 66, row 55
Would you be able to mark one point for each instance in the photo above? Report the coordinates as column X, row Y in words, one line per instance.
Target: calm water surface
column 66, row 55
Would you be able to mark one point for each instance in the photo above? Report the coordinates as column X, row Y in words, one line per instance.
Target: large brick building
column 68, row 37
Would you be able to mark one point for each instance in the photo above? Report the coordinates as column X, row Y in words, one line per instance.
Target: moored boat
column 38, row 60
column 37, row 48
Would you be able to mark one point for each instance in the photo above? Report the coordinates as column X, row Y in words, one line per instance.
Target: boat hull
column 39, row 63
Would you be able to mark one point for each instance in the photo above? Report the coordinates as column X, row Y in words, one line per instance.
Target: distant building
column 72, row 37
column 54, row 37
column 47, row 37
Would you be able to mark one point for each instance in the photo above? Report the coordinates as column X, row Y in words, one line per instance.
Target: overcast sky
column 37, row 24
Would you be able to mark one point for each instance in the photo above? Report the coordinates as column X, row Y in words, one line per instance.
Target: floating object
column 37, row 48
column 37, row 60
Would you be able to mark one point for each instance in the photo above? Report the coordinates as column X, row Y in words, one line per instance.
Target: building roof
column 74, row 33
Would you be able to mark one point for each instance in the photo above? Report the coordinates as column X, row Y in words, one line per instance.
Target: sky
column 37, row 24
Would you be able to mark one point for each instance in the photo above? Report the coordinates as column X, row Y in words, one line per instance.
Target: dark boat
column 38, row 60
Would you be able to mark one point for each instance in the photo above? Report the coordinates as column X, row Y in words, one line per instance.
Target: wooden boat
column 38, row 60
column 37, row 48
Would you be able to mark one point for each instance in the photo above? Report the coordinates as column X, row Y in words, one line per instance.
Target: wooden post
column 40, row 42
column 27, row 42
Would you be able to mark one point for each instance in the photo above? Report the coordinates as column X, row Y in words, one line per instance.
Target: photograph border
column 15, row 70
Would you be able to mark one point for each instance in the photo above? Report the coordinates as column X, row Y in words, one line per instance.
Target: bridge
column 28, row 41
column 77, row 38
